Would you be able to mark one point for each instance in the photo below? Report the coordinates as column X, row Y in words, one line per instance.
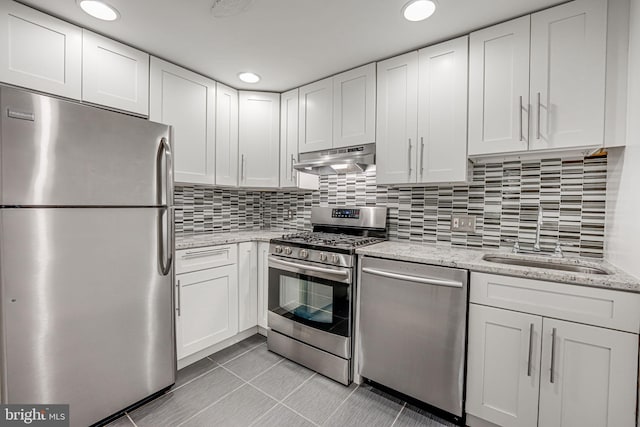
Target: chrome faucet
column 536, row 245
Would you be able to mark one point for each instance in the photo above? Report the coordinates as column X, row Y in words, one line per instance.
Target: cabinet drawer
column 592, row 306
column 188, row 260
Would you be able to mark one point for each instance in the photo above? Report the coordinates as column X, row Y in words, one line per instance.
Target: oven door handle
column 306, row 267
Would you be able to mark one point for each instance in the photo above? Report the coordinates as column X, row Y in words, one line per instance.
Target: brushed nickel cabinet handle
column 530, row 350
column 409, row 156
column 520, row 119
column 293, row 176
column 553, row 354
column 538, row 119
column 179, row 305
column 421, row 156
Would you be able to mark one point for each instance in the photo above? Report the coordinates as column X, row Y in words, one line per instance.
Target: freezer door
column 87, row 313
column 60, row 153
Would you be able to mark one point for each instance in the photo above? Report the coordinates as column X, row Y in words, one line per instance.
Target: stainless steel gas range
column 312, row 277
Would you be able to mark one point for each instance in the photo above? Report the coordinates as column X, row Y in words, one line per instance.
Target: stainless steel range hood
column 338, row 160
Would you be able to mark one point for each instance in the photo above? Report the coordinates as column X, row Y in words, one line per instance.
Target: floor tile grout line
column 298, row 387
column 404, row 404
column 263, row 415
column 267, row 370
column 235, row 357
column 126, row 414
column 213, row 403
column 193, row 379
column 340, row 405
column 284, row 404
column 254, row 377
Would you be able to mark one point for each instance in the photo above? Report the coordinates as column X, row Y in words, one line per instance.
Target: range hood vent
column 338, row 161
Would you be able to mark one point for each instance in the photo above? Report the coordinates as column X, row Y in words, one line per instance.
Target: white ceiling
column 287, row 42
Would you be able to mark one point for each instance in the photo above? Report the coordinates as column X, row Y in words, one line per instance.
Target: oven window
column 319, row 303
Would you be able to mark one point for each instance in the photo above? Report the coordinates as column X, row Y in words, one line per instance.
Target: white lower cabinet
column 526, row 369
column 247, row 285
column 263, row 283
column 503, row 366
column 206, row 299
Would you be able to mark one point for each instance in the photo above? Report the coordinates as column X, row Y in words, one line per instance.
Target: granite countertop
column 471, row 259
column 190, row 241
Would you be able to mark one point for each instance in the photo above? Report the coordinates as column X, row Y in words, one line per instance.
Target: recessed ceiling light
column 99, row 9
column 249, row 77
column 418, row 10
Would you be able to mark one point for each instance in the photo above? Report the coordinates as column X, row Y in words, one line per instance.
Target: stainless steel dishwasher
column 413, row 321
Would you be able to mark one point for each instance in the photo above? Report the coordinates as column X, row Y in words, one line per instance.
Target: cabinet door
column 247, row 285
column 316, row 116
column 594, row 377
column 259, row 139
column 397, row 119
column 354, row 106
column 442, row 112
column 207, row 308
column 568, row 57
column 114, row 74
column 263, row 283
column 503, row 360
column 499, row 88
column 186, row 101
column 226, row 135
column 39, row 51
column 288, row 138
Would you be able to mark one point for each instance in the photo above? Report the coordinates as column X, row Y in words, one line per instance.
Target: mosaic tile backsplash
column 504, row 198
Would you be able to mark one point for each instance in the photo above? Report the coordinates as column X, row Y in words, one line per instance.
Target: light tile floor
column 247, row 385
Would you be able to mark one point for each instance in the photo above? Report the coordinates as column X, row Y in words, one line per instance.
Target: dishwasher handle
column 416, row 279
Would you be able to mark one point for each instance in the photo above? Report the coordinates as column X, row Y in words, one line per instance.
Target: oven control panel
column 312, row 255
column 345, row 213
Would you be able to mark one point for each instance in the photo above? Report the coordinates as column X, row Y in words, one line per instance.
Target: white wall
column 622, row 247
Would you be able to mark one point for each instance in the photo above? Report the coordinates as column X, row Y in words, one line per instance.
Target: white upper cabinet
column 568, row 58
column 226, row 135
column 259, row 139
column 39, row 51
column 499, row 88
column 186, row 101
column 114, row 74
column 288, row 138
column 316, row 116
column 538, row 82
column 354, row 106
column 397, row 116
column 442, row 112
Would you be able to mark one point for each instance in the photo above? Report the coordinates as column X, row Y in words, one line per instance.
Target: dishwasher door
column 413, row 320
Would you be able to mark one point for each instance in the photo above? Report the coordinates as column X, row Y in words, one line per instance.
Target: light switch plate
column 463, row 223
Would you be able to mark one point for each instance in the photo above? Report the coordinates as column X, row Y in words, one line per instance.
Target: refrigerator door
column 60, row 153
column 87, row 312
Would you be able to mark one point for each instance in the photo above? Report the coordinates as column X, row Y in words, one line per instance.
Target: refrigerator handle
column 166, row 233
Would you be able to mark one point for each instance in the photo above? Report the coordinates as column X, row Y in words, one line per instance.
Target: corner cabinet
column 186, row 101
column 114, row 75
column 259, row 139
column 422, row 116
column 549, row 354
column 226, row 135
column 538, row 82
column 206, row 297
column 39, row 51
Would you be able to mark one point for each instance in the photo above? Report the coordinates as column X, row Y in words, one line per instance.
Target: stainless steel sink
column 573, row 266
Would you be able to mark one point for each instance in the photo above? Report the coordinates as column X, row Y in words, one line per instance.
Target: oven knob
column 304, row 253
column 287, row 251
column 334, row 258
column 323, row 256
column 278, row 249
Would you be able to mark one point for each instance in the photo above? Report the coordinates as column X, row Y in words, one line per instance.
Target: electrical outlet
column 289, row 214
column 463, row 223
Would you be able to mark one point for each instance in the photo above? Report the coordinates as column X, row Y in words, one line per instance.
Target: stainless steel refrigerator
column 86, row 250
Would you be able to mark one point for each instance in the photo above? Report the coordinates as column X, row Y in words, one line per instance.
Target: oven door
column 311, row 303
